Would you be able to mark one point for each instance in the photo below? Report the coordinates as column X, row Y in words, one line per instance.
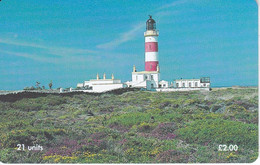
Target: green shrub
column 221, row 132
column 129, row 119
column 55, row 100
column 28, row 136
column 27, row 105
column 235, row 109
column 146, row 127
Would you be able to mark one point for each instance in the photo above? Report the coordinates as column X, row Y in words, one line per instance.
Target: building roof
column 146, row 72
column 187, row 79
column 106, row 83
column 163, row 81
column 104, row 80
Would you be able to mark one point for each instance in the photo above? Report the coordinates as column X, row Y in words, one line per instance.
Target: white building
column 144, row 79
column 163, row 84
column 203, row 82
column 101, row 85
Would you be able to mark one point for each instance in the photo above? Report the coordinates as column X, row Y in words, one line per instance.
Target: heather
column 132, row 127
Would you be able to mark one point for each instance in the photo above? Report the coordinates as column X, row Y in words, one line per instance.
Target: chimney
column 112, row 77
column 134, row 69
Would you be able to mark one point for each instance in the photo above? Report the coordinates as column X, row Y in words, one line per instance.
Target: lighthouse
column 151, row 45
column 150, row 77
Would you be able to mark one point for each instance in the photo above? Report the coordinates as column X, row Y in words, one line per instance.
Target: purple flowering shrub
column 69, row 146
column 66, row 148
column 98, row 135
column 93, row 145
column 164, row 131
column 118, row 127
column 122, row 142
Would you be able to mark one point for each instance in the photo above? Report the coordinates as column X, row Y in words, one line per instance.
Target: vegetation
column 50, row 85
column 37, row 87
column 131, row 127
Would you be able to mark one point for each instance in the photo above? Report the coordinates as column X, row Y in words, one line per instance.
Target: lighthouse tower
column 151, row 45
column 150, row 77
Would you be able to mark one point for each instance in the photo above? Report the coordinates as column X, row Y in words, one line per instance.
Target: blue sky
column 70, row 41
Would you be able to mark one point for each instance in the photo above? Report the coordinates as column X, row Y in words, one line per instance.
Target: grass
column 131, row 127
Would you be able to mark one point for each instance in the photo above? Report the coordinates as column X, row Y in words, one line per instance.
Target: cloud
column 27, row 55
column 50, row 54
column 173, row 4
column 41, row 57
column 60, row 51
column 124, row 37
column 165, row 13
column 58, row 55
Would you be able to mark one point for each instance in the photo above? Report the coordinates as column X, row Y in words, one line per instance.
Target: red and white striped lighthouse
column 151, row 45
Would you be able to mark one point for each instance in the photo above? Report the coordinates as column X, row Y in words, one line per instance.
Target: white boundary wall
column 106, row 87
column 180, row 89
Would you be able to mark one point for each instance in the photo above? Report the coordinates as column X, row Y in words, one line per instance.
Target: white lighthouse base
column 144, row 79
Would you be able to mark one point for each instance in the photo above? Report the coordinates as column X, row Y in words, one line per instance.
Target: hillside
column 131, row 127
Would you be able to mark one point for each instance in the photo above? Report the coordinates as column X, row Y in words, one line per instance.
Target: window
column 145, row 77
column 151, row 85
column 205, row 80
column 177, row 85
column 196, row 84
column 151, row 77
column 189, row 84
column 164, row 85
column 183, row 84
